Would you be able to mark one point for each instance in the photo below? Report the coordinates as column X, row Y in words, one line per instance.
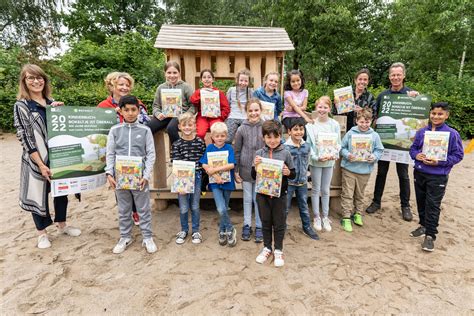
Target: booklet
column 344, row 99
column 327, row 145
column 361, row 146
column 210, row 103
column 128, row 172
column 171, row 101
column 184, row 173
column 268, row 110
column 219, row 159
column 435, row 145
column 269, row 177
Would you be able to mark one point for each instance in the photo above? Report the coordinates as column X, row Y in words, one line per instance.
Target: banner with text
column 77, row 140
column 400, row 116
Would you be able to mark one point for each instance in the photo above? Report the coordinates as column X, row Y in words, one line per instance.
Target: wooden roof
column 223, row 38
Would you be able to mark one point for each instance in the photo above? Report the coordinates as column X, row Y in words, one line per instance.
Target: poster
column 399, row 117
column 184, row 173
column 269, row 177
column 435, row 145
column 327, row 144
column 128, row 172
column 344, row 100
column 268, row 110
column 219, row 159
column 210, row 103
column 77, row 140
column 361, row 146
column 171, row 100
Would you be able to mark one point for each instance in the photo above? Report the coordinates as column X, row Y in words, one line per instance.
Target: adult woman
column 34, row 95
column 363, row 98
column 120, row 84
column 173, row 81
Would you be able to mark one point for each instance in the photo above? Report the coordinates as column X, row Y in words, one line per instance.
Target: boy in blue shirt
column 222, row 189
column 356, row 174
column 299, row 150
column 431, row 175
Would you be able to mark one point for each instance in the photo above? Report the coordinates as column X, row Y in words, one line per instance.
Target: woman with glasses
column 34, row 95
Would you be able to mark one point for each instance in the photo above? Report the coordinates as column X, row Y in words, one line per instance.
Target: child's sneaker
column 122, row 244
column 196, row 238
column 327, row 224
column 278, row 259
column 181, row 237
column 149, row 245
column 346, row 224
column 428, row 244
column 258, row 235
column 246, row 232
column 222, row 238
column 43, row 242
column 357, row 218
column 263, row 255
column 136, row 218
column 420, row 231
column 317, row 223
column 232, row 237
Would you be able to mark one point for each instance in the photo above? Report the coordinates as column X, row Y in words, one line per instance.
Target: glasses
column 33, row 78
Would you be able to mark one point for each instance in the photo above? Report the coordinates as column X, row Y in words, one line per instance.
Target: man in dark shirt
column 397, row 77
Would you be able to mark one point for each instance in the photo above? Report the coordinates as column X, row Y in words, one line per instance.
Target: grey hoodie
column 186, row 90
column 247, row 141
column 130, row 139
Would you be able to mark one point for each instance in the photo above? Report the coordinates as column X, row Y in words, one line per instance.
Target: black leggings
column 60, row 212
column 272, row 212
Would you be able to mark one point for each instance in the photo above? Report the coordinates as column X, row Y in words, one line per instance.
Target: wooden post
column 270, row 62
column 160, row 167
column 255, row 70
column 239, row 62
column 190, row 66
column 174, row 56
column 205, row 60
column 222, row 64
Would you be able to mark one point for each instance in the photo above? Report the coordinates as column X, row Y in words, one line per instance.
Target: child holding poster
column 189, row 148
column 431, row 175
column 120, row 148
column 356, row 173
column 269, row 96
column 211, row 104
column 220, row 185
column 272, row 207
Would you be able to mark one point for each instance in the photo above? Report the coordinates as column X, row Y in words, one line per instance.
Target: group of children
column 246, row 137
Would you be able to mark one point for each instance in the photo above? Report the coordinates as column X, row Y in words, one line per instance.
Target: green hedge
column 457, row 92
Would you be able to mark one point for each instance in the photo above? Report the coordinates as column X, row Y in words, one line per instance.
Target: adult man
column 396, row 76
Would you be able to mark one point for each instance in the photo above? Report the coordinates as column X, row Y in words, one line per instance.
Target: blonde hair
column 252, row 101
column 365, row 113
column 23, row 91
column 218, row 127
column 244, row 72
column 324, row 100
column 270, row 74
column 113, row 77
column 186, row 117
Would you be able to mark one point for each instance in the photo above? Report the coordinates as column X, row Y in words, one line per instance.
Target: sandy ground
column 376, row 269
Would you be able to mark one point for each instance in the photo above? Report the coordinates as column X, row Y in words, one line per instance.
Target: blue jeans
column 222, row 197
column 191, row 200
column 302, row 199
column 250, row 198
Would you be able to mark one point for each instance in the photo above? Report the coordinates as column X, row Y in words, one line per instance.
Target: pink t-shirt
column 298, row 98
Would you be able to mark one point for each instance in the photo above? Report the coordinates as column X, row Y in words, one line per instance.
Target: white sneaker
column 278, row 260
column 181, row 237
column 70, row 231
column 150, row 245
column 263, row 255
column 327, row 224
column 317, row 224
column 122, row 244
column 196, row 238
column 43, row 242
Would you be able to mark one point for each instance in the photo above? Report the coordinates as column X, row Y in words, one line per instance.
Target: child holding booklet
column 361, row 148
column 269, row 95
column 431, row 174
column 171, row 99
column 296, row 99
column 238, row 97
column 324, row 139
column 219, row 162
column 120, row 147
column 211, row 104
column 272, row 208
column 247, row 140
column 189, row 148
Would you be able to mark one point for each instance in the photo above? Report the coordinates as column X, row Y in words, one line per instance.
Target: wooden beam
column 190, row 66
column 271, row 62
column 205, row 60
column 255, row 70
column 222, row 65
column 174, row 56
column 239, row 61
column 160, row 166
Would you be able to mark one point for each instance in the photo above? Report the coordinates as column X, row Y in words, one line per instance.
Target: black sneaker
column 373, row 207
column 258, row 235
column 310, row 233
column 406, row 213
column 222, row 238
column 420, row 231
column 246, row 233
column 428, row 244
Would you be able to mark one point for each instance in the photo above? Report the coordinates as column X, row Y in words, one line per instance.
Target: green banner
column 399, row 117
column 77, row 141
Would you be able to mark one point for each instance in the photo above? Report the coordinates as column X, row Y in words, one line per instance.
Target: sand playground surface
column 376, row 269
